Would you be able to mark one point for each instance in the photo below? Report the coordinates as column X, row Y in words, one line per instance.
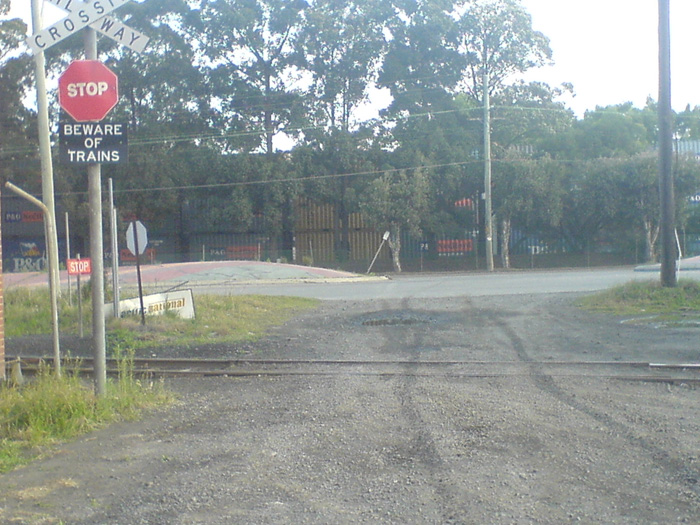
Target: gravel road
column 524, row 432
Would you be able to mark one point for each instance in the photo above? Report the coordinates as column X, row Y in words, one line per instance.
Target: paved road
column 250, row 277
column 447, row 285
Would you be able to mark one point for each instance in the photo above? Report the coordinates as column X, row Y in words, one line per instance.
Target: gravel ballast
column 505, row 438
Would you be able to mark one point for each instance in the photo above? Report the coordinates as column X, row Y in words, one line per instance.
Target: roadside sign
column 108, row 26
column 88, row 143
column 141, row 237
column 79, row 266
column 88, row 90
column 92, row 11
column 180, row 302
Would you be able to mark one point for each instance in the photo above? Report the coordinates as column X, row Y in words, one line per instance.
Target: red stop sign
column 87, row 90
column 79, row 266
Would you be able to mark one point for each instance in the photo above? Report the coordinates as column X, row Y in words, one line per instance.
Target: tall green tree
column 528, row 194
column 612, row 131
column 688, row 123
column 18, row 147
column 163, row 91
column 527, row 114
column 423, row 64
column 250, row 51
column 343, row 45
column 396, row 202
column 497, row 37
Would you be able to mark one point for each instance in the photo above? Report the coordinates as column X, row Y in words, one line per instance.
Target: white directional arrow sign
column 91, row 11
column 108, row 26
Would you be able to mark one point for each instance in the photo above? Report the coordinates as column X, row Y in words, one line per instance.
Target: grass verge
column 50, row 409
column 681, row 303
column 219, row 319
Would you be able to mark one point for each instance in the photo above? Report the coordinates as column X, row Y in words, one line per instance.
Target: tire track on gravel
column 420, row 447
column 677, row 469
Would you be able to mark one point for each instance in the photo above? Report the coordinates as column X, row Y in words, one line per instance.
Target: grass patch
column 28, row 312
column 50, row 409
column 219, row 319
column 648, row 298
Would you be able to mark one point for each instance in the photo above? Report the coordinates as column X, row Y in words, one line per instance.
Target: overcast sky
column 608, row 49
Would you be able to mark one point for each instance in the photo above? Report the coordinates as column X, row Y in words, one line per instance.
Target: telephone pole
column 667, row 230
column 47, row 187
column 488, row 213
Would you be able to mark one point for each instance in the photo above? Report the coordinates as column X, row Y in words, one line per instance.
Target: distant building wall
column 688, row 147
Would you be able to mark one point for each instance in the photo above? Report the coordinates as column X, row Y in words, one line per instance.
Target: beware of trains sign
column 93, row 142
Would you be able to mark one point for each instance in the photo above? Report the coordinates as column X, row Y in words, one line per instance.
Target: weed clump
column 48, row 408
column 646, row 297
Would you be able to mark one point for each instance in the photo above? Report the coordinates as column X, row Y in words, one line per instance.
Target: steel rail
column 351, row 362
column 248, row 367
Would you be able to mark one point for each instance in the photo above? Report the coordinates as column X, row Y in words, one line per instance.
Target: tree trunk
column 651, row 235
column 343, row 224
column 269, row 132
column 395, row 247
column 506, row 227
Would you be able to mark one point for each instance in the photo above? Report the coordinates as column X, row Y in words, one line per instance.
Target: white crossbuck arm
column 82, row 14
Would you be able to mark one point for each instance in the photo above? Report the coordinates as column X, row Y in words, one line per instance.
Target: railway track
column 241, row 367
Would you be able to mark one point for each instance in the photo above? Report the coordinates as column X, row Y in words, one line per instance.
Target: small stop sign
column 87, row 90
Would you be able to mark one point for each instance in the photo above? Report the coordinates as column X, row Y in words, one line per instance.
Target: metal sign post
column 97, row 253
column 669, row 278
column 79, row 267
column 385, row 238
column 115, row 251
column 51, row 238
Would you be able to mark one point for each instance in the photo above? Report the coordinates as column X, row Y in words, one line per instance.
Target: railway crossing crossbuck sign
column 90, row 12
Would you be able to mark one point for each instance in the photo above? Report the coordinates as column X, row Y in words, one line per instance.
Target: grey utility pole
column 47, row 189
column 668, row 245
column 488, row 213
column 96, row 252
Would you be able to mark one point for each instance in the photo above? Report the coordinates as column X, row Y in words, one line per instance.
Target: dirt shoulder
column 523, row 432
